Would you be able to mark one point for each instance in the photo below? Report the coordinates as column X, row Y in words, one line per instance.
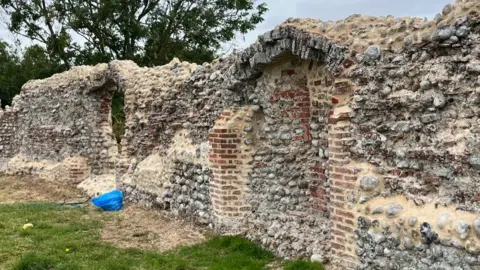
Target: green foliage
column 149, row 32
column 303, row 265
column 16, row 71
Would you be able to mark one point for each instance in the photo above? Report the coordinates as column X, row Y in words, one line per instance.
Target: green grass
column 59, row 228
column 302, row 265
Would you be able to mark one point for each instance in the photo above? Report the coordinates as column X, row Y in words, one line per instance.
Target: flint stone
column 372, row 53
column 444, row 34
column 363, row 199
column 462, row 31
column 439, row 100
column 453, row 39
column 412, row 221
column 425, row 85
column 428, row 234
column 475, row 162
column 286, row 136
column 407, row 243
column 476, row 226
column 314, row 126
column 447, row 9
column 442, row 222
column 462, row 228
column 377, row 237
column 368, row 183
column 318, row 258
column 393, row 210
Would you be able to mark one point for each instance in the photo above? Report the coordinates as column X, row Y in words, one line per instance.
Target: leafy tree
column 149, row 32
column 15, row 71
column 40, row 21
column 9, row 68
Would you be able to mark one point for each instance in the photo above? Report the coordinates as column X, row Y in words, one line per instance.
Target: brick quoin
column 226, row 157
column 343, row 180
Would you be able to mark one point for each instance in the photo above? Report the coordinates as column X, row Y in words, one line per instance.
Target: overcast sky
column 280, row 10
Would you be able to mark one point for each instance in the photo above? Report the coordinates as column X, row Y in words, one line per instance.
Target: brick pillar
column 343, row 177
column 229, row 160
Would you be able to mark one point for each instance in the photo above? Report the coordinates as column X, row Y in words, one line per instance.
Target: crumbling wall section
column 193, row 105
column 169, row 113
column 64, row 116
column 415, row 149
column 7, row 132
column 289, row 181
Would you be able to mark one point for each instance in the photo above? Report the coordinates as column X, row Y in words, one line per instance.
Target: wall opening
column 118, row 117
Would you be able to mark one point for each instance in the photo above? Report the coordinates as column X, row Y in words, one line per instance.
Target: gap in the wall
column 118, row 117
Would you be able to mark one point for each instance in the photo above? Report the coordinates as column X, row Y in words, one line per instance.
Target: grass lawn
column 69, row 238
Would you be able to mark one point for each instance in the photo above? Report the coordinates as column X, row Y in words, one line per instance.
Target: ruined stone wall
column 353, row 141
column 170, row 110
column 64, row 116
column 289, row 187
column 415, row 127
column 7, row 132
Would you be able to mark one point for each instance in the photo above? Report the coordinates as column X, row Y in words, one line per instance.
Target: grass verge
column 68, row 238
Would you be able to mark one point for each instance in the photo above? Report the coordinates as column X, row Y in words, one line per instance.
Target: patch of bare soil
column 19, row 189
column 135, row 227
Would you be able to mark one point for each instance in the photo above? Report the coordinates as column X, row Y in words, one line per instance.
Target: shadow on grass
column 32, row 261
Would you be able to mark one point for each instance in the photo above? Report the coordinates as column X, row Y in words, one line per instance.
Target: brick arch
column 305, row 99
column 288, row 39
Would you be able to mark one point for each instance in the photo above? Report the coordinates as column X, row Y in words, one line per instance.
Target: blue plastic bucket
column 110, row 201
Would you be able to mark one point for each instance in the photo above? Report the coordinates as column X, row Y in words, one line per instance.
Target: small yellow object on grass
column 28, row 225
column 67, row 250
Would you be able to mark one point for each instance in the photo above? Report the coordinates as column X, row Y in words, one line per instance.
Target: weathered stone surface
column 412, row 221
column 476, row 226
column 462, row 228
column 369, row 183
column 443, row 221
column 393, row 210
column 372, row 54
